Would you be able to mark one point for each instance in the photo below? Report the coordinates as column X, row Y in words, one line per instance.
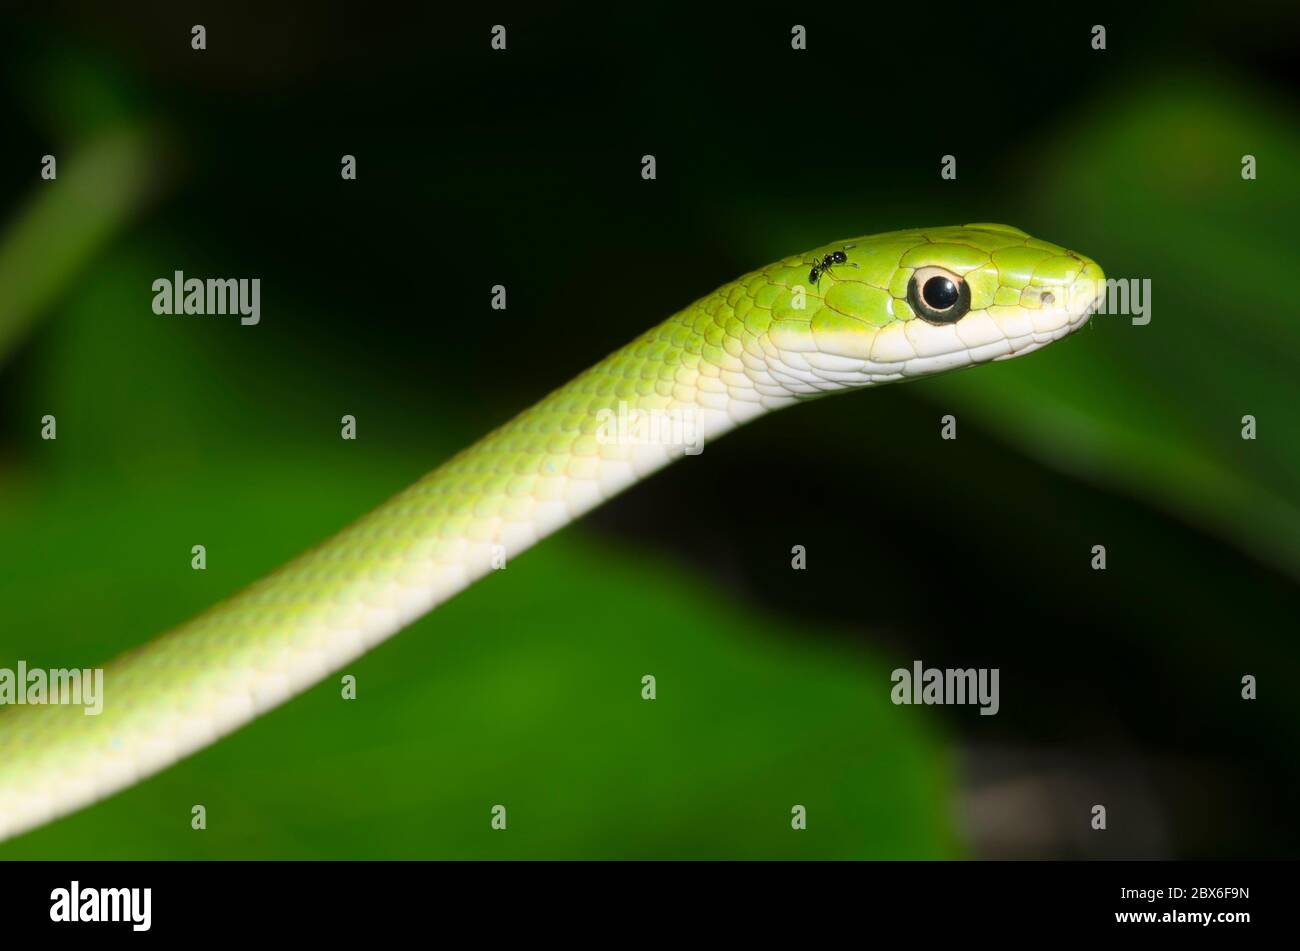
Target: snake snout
column 1087, row 290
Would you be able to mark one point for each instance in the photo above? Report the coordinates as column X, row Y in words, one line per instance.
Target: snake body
column 843, row 316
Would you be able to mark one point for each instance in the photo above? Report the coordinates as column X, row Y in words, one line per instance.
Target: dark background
column 522, row 168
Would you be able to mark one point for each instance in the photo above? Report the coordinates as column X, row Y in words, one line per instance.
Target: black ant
column 824, row 265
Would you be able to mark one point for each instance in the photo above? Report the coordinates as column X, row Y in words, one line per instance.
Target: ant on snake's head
column 824, row 265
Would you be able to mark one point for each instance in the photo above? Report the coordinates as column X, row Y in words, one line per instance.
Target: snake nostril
column 1049, row 299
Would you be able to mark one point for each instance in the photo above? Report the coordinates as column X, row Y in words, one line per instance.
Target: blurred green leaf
column 524, row 691
column 1150, row 185
column 99, row 188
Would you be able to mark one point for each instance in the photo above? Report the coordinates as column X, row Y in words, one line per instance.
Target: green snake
column 851, row 314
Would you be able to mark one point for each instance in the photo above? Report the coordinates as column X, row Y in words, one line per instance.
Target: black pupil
column 939, row 293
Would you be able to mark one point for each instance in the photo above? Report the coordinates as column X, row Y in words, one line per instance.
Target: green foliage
column 524, row 691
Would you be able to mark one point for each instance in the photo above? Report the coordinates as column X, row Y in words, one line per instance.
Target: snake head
column 1003, row 292
column 911, row 303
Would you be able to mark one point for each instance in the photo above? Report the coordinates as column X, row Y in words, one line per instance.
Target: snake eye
column 938, row 296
